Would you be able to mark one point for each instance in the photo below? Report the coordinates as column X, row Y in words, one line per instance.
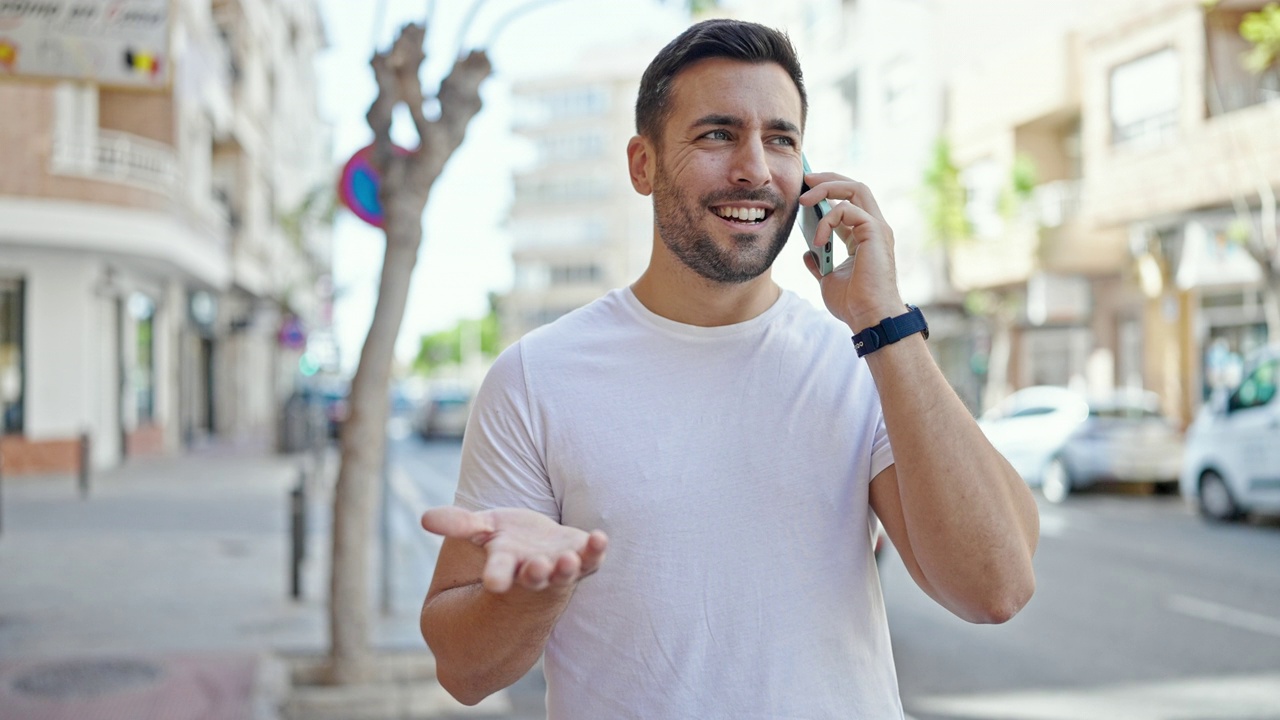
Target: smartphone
column 809, row 217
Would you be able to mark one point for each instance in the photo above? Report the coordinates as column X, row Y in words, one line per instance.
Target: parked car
column 1232, row 463
column 444, row 413
column 1059, row 441
column 1032, row 425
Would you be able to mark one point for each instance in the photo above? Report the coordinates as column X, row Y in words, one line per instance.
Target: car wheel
column 1216, row 502
column 1055, row 484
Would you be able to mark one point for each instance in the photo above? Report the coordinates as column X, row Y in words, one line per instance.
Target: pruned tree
column 406, row 182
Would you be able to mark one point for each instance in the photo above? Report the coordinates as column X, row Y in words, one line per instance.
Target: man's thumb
column 454, row 522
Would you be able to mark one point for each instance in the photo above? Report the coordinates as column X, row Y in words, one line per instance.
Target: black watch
column 891, row 330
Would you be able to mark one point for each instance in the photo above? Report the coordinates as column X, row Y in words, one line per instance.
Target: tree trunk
column 363, row 446
column 998, row 361
column 406, row 181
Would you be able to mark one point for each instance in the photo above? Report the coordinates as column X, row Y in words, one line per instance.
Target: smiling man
column 725, row 442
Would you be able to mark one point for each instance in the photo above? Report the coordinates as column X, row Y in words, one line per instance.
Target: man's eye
column 784, row 140
column 717, row 135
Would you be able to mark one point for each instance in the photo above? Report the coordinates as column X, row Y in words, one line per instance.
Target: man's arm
column 502, row 580
column 963, row 521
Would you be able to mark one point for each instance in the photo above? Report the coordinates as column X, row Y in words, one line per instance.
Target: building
column 1143, row 145
column 578, row 227
column 156, row 238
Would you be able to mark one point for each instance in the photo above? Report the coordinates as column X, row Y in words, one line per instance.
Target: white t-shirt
column 729, row 467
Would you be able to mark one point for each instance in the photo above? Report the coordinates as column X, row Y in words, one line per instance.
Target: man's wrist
column 864, row 320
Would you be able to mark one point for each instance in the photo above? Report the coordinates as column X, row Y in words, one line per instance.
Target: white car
column 1030, row 427
column 1232, row 461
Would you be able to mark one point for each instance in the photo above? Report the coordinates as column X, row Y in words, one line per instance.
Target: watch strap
column 890, row 330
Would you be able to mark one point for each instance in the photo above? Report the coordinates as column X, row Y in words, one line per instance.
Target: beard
column 678, row 225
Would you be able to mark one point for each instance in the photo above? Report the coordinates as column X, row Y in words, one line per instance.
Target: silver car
column 1060, row 442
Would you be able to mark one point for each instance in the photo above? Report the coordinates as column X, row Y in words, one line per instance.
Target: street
column 1142, row 611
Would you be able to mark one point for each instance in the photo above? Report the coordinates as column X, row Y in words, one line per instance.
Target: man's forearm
column 972, row 522
column 484, row 642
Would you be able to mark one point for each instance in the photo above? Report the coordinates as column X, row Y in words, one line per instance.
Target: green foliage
column 445, row 347
column 944, row 199
column 1262, row 29
column 1022, row 183
column 1024, row 177
column 701, row 6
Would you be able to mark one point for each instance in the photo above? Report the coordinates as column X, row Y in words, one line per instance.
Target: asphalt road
column 1142, row 612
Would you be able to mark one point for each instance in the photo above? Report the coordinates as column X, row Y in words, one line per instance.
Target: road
column 1142, row 612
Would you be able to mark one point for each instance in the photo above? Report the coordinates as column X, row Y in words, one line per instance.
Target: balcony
column 118, row 157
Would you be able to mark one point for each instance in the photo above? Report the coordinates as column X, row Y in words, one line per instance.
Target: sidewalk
column 164, row 593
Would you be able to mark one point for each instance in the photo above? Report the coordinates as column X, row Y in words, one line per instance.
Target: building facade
column 578, row 227
column 1149, row 145
column 156, row 237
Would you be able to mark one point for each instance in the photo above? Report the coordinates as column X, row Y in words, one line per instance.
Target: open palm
column 522, row 547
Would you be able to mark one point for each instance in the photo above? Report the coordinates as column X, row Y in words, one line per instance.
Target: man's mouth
column 743, row 215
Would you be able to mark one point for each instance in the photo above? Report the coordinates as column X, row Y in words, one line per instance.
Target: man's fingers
column 566, row 571
column 843, row 215
column 499, row 571
column 455, row 522
column 834, row 187
column 535, row 573
column 593, row 553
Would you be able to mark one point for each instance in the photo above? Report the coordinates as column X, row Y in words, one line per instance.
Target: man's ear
column 640, row 160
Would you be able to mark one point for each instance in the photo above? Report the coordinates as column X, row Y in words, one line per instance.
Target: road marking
column 1053, row 524
column 1204, row 698
column 410, row 498
column 1213, row 612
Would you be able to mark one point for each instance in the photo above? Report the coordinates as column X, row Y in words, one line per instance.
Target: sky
column 466, row 253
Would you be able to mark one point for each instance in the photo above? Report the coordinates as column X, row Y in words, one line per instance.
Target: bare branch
column 408, row 55
column 460, row 96
column 380, row 111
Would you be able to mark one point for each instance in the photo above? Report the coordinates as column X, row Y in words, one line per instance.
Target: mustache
column 769, row 197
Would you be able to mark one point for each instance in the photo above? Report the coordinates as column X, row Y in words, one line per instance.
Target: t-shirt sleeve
column 881, row 452
column 502, row 460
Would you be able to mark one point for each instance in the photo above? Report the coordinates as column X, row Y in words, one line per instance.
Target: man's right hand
column 522, row 547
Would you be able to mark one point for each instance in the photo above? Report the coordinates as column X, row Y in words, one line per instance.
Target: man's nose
column 750, row 166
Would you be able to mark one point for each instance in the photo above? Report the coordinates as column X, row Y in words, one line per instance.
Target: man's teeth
column 743, row 214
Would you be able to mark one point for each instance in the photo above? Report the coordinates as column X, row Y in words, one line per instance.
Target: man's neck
column 681, row 295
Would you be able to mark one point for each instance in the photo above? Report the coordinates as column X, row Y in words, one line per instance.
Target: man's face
column 728, row 170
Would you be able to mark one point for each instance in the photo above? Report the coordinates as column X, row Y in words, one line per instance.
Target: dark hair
column 716, row 38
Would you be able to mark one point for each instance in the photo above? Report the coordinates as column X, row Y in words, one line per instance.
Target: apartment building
column 157, row 253
column 1181, row 149
column 579, row 229
column 1148, row 142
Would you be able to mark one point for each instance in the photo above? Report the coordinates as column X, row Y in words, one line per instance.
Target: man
column 727, row 438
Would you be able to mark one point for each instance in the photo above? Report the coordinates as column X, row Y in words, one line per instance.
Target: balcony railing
column 120, row 157
column 1057, row 202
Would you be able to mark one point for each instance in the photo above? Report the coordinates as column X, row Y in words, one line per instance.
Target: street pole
column 83, row 477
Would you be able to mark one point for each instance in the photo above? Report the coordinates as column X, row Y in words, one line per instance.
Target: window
column 569, row 147
column 143, row 312
column 897, row 78
column 575, row 274
column 850, row 91
column 1258, row 389
column 983, row 185
column 1145, row 95
column 12, row 385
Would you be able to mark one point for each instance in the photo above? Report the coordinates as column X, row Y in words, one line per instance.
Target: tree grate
column 85, row 678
